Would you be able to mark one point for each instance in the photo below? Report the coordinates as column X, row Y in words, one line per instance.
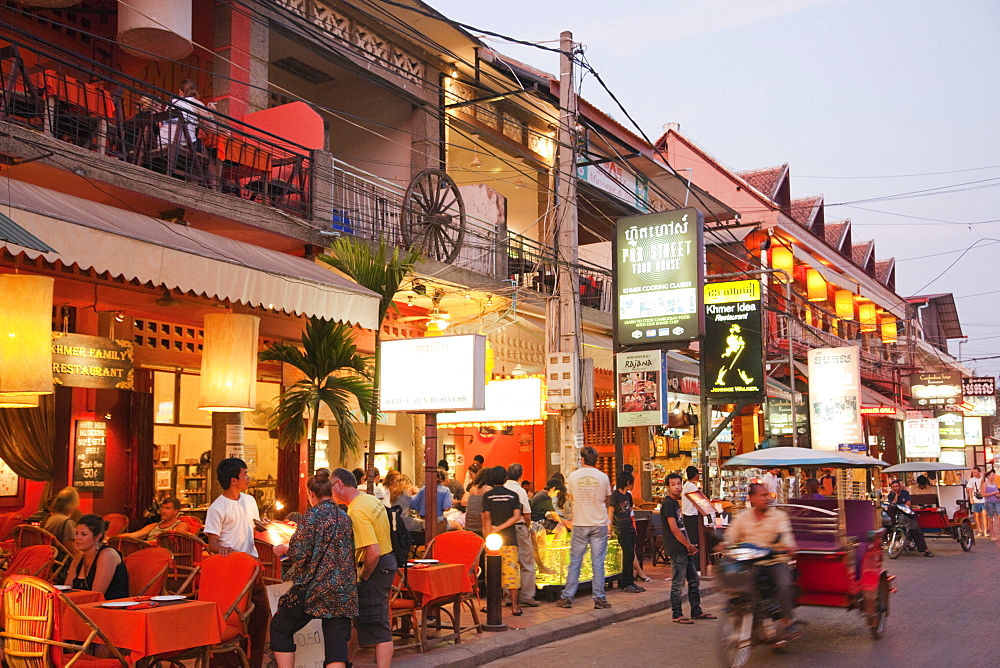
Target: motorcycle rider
column 766, row 526
column 900, row 496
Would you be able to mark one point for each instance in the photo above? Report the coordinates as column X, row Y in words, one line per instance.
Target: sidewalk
column 542, row 625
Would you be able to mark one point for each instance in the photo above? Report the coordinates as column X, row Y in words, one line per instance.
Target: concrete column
column 241, row 63
column 426, row 133
column 322, row 189
column 224, row 443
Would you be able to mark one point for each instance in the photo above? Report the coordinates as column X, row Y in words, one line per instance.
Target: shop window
column 164, row 397
column 190, row 395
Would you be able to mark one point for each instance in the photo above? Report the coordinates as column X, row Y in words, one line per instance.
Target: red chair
column 7, row 523
column 187, row 550
column 466, row 548
column 29, row 622
column 194, row 524
column 126, row 545
column 26, row 534
column 117, row 523
column 148, row 570
column 269, row 563
column 34, row 560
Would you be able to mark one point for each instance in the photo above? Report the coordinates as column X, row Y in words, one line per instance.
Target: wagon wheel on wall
column 434, row 216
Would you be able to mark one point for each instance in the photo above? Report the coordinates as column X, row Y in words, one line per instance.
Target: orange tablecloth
column 167, row 628
column 78, row 596
column 438, row 581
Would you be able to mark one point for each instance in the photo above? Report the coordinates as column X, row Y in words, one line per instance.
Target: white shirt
column 232, row 522
column 687, row 507
column 515, row 487
column 770, row 482
column 975, row 485
column 590, row 489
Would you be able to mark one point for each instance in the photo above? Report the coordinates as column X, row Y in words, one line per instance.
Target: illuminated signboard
column 921, row 438
column 956, row 457
column 641, row 389
column 835, row 397
column 516, row 401
column 878, row 410
column 778, row 416
column 441, row 373
column 982, row 406
column 951, row 431
column 935, row 388
column 659, row 272
column 973, row 430
column 734, row 347
column 979, row 386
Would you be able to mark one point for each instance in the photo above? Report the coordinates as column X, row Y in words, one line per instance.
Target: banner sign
column 921, row 438
column 659, row 273
column 935, row 388
column 515, row 401
column 985, row 406
column 979, row 386
column 429, row 375
column 973, row 427
column 835, row 397
column 79, row 360
column 640, row 388
column 778, row 417
column 951, row 432
column 88, row 464
column 734, row 346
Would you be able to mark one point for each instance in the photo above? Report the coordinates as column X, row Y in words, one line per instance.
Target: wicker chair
column 187, row 550
column 26, row 534
column 269, row 563
column 29, row 621
column 127, row 546
column 7, row 523
column 148, row 570
column 117, row 523
column 34, row 560
column 466, row 548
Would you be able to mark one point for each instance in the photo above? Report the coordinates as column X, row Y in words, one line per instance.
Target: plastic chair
column 269, row 563
column 34, row 560
column 187, row 550
column 147, row 571
column 228, row 582
column 466, row 548
column 29, row 620
column 25, row 535
column 127, row 546
column 117, row 523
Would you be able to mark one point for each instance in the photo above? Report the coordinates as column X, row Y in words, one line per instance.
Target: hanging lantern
column 887, row 323
column 229, row 363
column 782, row 258
column 434, row 328
column 844, row 300
column 155, row 30
column 18, row 401
column 26, row 334
column 868, row 316
column 815, row 286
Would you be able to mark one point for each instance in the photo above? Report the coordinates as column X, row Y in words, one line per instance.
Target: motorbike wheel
column 965, row 536
column 879, row 620
column 733, row 651
column 897, row 541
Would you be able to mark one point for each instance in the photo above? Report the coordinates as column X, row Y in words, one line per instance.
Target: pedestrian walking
column 321, row 553
column 688, row 509
column 991, row 498
column 622, row 516
column 525, row 546
column 501, row 513
column 682, row 553
column 589, row 492
column 974, row 488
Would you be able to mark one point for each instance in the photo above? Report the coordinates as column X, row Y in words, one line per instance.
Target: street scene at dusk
column 403, row 333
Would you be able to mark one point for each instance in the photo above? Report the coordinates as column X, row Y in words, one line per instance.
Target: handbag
column 678, row 419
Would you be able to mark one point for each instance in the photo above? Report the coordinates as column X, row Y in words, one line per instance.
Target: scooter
column 899, row 520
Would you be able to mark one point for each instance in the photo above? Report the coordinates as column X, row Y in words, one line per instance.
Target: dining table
column 436, row 585
column 149, row 628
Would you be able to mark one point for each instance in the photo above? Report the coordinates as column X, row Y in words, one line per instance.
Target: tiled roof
column 834, row 233
column 859, row 252
column 803, row 210
column 883, row 268
column 766, row 180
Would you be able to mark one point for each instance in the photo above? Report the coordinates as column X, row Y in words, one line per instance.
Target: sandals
column 705, row 615
column 682, row 620
column 517, row 613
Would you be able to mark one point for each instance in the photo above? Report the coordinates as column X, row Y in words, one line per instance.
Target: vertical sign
column 835, row 397
column 659, row 272
column 734, row 345
column 951, row 432
column 88, row 466
column 935, row 388
column 641, row 389
column 921, row 438
column 973, row 430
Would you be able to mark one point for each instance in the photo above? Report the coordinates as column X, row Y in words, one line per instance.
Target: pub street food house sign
column 659, row 274
column 79, row 360
column 734, row 352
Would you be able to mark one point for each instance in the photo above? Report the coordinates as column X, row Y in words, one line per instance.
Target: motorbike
column 899, row 521
column 752, row 613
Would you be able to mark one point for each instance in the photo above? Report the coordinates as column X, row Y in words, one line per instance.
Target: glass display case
column 555, row 556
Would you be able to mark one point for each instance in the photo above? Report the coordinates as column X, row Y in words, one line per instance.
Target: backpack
column 401, row 539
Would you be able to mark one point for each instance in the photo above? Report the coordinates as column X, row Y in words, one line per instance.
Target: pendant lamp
column 229, row 363
column 26, row 334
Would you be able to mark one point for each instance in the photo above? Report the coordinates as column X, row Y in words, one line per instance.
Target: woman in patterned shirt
column 322, row 556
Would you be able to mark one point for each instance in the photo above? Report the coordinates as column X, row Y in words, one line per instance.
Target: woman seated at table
column 170, row 508
column 97, row 567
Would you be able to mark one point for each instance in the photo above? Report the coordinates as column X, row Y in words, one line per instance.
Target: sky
column 864, row 99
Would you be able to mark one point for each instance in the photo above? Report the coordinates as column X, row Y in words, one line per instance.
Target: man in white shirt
column 590, row 493
column 525, row 550
column 688, row 509
column 974, row 488
column 771, row 483
column 229, row 526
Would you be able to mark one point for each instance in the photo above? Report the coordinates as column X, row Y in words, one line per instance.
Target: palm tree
column 334, row 372
column 381, row 268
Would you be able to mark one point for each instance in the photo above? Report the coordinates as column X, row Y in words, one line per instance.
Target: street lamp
column 494, row 588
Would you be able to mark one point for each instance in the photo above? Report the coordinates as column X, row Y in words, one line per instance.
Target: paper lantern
column 229, row 363
column 868, row 317
column 845, row 304
column 887, row 323
column 782, row 258
column 815, row 286
column 18, row 400
column 26, row 334
column 154, row 29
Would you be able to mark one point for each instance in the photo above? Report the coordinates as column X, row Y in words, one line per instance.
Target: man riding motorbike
column 900, row 496
column 766, row 526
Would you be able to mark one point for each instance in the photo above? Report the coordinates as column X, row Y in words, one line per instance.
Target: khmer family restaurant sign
column 79, row 360
column 88, row 465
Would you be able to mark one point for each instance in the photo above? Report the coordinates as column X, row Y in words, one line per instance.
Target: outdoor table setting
column 434, row 585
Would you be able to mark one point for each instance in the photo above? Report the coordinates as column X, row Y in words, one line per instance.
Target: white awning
column 124, row 243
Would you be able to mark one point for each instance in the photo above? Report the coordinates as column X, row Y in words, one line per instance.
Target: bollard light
column 494, row 542
column 494, row 584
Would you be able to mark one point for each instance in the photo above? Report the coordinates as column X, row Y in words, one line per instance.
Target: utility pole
column 563, row 312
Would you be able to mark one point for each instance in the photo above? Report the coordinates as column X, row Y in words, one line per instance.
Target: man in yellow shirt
column 376, row 565
column 764, row 525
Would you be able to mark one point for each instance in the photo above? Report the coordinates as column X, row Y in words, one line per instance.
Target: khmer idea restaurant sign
column 734, row 346
column 79, row 360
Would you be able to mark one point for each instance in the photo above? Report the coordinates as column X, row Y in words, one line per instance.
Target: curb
column 496, row 646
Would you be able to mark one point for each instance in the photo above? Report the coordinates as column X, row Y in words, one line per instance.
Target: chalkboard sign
column 88, row 469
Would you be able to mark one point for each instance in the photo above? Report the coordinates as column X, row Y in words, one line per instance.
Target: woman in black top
column 97, row 567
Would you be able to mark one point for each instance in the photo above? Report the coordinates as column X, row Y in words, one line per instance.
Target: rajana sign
column 79, row 360
column 430, row 375
column 835, row 397
column 659, row 272
column 640, row 389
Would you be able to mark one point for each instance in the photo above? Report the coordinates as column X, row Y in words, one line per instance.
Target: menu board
column 88, row 467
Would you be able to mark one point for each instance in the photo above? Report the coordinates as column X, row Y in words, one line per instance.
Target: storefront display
column 555, row 556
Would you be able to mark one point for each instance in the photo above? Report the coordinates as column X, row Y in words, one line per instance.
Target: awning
column 124, row 243
column 870, row 397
